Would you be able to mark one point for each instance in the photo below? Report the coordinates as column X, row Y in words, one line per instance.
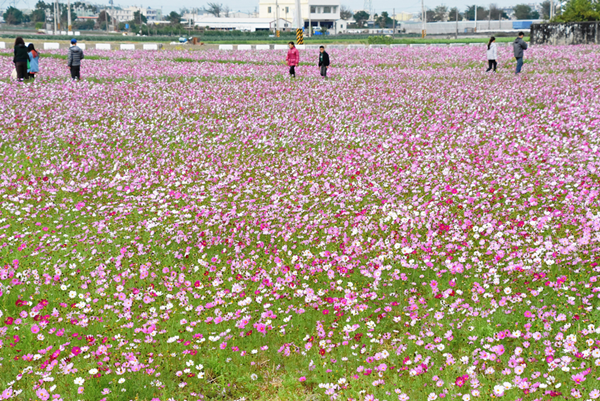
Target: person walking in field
column 20, row 59
column 34, row 61
column 323, row 61
column 292, row 59
column 74, row 60
column 492, row 54
column 519, row 45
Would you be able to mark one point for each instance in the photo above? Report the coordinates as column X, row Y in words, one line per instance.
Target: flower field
column 194, row 226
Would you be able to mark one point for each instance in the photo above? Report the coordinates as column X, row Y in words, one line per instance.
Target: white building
column 126, row 14
column 320, row 13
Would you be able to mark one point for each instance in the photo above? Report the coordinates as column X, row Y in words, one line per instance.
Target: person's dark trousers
column 492, row 64
column 293, row 71
column 519, row 64
column 75, row 72
column 30, row 76
column 324, row 71
column 21, row 67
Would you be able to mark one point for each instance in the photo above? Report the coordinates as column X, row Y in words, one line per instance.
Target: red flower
column 322, row 351
column 8, row 321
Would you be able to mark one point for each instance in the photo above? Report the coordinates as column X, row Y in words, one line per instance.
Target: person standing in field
column 34, row 61
column 20, row 58
column 519, row 45
column 323, row 61
column 293, row 59
column 74, row 60
column 492, row 53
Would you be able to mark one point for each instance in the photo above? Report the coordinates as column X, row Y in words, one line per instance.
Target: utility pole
column 106, row 16
column 423, row 19
column 299, row 23
column 394, row 28
column 69, row 29
column 490, row 18
column 475, row 19
column 55, row 22
column 276, row 18
column 456, row 34
column 551, row 9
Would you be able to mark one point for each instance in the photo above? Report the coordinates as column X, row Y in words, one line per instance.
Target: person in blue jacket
column 34, row 61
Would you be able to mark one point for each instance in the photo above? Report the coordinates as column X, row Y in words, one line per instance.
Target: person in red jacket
column 293, row 59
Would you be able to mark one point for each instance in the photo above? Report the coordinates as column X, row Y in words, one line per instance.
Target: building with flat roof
column 319, row 13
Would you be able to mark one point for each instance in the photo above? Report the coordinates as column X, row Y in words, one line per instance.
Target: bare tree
column 226, row 11
column 346, row 13
column 214, row 9
column 440, row 13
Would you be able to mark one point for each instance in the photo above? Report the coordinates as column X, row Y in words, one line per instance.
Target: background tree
column 384, row 20
column 64, row 16
column 546, row 9
column 577, row 11
column 102, row 16
column 13, row 16
column 497, row 13
column 226, row 11
column 214, row 9
column 345, row 13
column 440, row 13
column 482, row 13
column 174, row 18
column 86, row 25
column 139, row 18
column 38, row 15
column 452, row 14
column 524, row 11
column 361, row 17
column 429, row 15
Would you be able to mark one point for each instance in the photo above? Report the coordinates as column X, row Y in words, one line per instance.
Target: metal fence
column 573, row 33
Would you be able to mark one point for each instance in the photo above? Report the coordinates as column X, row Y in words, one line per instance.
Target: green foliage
column 13, row 16
column 579, row 11
column 524, row 11
column 380, row 40
column 361, row 17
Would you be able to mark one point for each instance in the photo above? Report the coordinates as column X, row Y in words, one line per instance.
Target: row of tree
column 572, row 11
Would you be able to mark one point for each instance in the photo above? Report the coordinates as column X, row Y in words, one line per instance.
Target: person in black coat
column 323, row 61
column 20, row 58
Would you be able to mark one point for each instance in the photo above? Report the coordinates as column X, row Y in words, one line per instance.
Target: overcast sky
column 410, row 6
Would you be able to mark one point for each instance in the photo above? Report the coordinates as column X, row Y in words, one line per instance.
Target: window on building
column 313, row 10
column 334, row 9
column 327, row 10
column 287, row 9
column 269, row 11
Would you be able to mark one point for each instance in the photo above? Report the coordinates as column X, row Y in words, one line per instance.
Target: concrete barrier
column 378, row 46
column 263, row 47
column 2, row 45
column 439, row 45
column 150, row 46
column 102, row 46
column 127, row 46
column 77, row 33
column 301, row 47
column 225, row 47
column 395, row 45
column 51, row 46
column 476, row 44
column 64, row 33
column 244, row 47
column 457, row 44
column 280, row 47
column 82, row 46
column 357, row 46
column 418, row 45
column 335, row 47
column 70, row 33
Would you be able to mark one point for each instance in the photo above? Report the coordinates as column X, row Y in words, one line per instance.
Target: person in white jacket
column 492, row 53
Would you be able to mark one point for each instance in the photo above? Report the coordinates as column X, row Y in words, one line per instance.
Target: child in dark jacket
column 323, row 61
column 20, row 58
